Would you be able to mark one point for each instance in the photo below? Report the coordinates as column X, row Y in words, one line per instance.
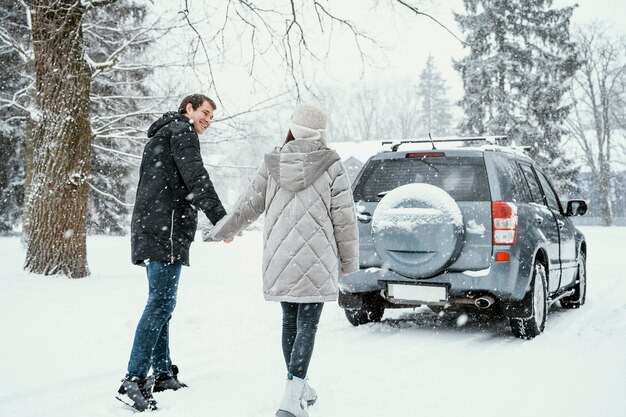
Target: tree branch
column 92, row 4
column 185, row 14
column 112, row 197
column 415, row 10
column 7, row 39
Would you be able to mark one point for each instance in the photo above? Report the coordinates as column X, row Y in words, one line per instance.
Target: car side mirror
column 576, row 208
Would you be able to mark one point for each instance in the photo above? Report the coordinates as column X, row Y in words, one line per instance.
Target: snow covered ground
column 65, row 345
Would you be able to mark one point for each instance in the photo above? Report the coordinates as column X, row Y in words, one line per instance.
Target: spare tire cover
column 417, row 230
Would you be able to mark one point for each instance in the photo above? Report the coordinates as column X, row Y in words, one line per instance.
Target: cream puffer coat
column 310, row 222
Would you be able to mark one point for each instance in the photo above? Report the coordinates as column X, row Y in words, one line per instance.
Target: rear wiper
column 427, row 163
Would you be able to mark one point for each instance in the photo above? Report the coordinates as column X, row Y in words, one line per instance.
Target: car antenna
column 432, row 141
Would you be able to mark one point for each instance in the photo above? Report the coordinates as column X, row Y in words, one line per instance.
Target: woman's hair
column 196, row 101
column 289, row 137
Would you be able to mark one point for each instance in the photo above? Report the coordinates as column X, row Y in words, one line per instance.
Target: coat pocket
column 188, row 221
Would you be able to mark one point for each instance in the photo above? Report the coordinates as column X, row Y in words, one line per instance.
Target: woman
column 309, row 229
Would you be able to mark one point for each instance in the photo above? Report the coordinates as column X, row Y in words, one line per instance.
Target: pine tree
column 116, row 92
column 516, row 74
column 435, row 114
column 12, row 118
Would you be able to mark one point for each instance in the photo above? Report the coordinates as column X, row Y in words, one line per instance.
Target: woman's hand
column 230, row 239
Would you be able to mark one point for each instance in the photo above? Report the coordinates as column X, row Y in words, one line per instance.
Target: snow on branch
column 228, row 166
column 119, row 132
column 91, row 4
column 11, row 103
column 126, row 97
column 14, row 101
column 118, row 118
column 135, row 67
column 116, row 152
column 8, row 40
column 29, row 22
column 112, row 197
column 112, row 59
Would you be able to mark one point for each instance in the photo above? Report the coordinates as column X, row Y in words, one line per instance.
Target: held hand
column 230, row 239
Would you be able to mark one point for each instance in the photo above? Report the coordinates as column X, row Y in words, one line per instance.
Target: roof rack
column 490, row 139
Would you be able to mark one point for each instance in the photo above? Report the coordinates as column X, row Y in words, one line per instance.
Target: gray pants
column 299, row 327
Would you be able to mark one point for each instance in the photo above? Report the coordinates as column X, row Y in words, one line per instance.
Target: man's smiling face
column 200, row 117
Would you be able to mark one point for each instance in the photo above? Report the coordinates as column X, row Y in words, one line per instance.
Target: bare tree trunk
column 606, row 205
column 59, row 142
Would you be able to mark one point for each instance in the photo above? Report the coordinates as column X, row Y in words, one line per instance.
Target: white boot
column 292, row 405
column 308, row 393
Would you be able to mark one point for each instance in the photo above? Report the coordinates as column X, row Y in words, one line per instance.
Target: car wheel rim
column 539, row 299
column 582, row 281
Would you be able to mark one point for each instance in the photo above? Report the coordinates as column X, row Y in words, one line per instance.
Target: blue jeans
column 300, row 322
column 151, row 344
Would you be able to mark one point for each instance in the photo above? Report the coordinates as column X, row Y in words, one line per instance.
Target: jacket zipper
column 172, row 238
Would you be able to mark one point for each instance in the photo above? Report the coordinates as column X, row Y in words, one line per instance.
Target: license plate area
column 403, row 293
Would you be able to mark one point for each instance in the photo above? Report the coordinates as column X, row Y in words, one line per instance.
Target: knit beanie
column 308, row 122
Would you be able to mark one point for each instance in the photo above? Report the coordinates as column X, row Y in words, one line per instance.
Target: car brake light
column 504, row 222
column 424, row 154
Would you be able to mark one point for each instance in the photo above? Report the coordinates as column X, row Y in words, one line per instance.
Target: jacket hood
column 299, row 163
column 164, row 120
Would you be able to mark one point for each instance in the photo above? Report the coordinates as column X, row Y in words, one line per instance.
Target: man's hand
column 230, row 239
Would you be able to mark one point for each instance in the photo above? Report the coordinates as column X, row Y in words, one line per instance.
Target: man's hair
column 289, row 137
column 196, row 101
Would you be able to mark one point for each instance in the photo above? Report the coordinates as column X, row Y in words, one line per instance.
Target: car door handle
column 364, row 217
column 538, row 219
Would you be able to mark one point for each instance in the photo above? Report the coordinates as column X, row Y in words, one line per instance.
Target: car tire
column 529, row 328
column 372, row 310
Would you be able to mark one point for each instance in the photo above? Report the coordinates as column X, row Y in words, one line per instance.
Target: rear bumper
column 505, row 281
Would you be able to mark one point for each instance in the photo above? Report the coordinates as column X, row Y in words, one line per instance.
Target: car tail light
column 502, row 256
column 504, row 222
column 425, row 155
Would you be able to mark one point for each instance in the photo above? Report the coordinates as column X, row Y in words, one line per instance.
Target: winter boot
column 308, row 393
column 146, row 388
column 292, row 404
column 165, row 382
column 137, row 393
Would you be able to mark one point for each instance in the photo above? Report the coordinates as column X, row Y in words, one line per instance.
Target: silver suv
column 464, row 227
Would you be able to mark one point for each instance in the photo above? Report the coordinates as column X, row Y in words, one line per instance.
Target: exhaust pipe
column 484, row 302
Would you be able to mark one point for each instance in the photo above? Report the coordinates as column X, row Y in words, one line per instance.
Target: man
column 173, row 184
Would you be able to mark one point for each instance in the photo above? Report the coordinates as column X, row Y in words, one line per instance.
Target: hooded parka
column 173, row 184
column 309, row 226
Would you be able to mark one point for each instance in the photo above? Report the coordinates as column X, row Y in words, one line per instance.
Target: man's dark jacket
column 173, row 185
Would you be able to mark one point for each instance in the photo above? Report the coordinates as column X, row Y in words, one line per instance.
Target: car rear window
column 464, row 178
